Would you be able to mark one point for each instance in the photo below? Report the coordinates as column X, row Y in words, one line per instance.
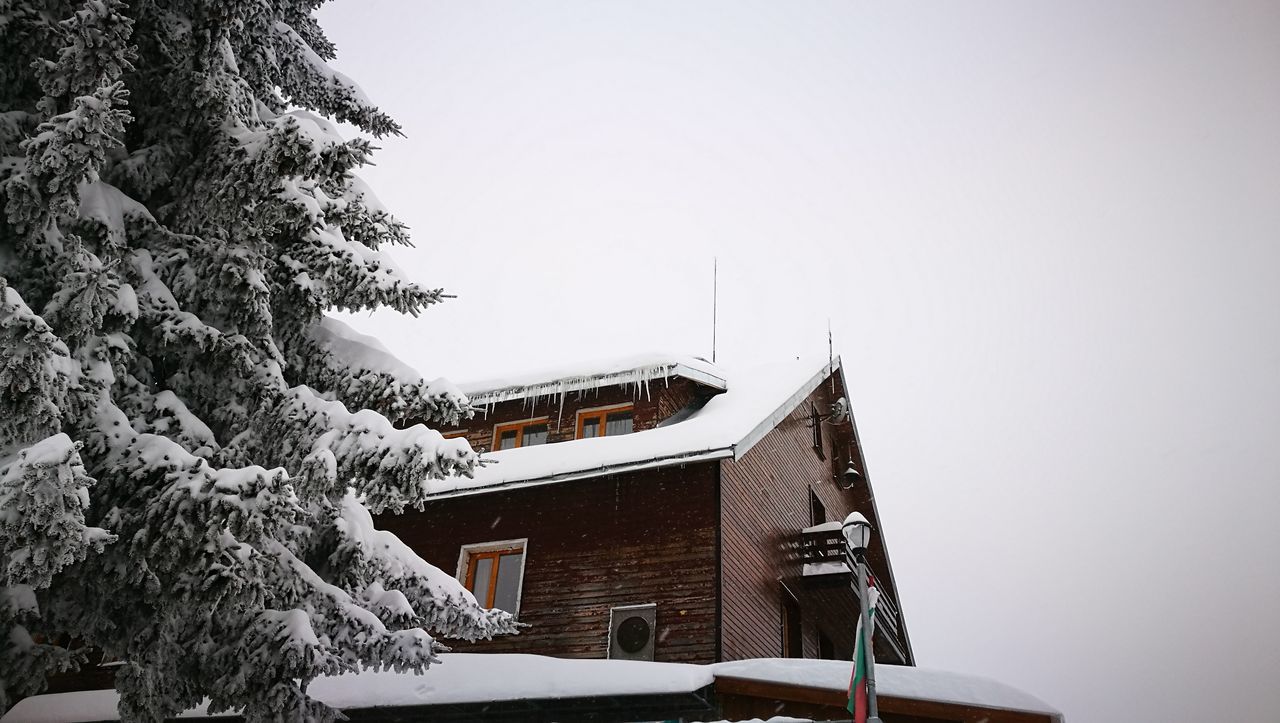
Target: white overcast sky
column 1046, row 235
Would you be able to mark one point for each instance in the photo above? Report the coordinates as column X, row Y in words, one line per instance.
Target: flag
column 861, row 647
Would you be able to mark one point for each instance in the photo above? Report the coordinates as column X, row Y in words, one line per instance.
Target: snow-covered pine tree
column 190, row 451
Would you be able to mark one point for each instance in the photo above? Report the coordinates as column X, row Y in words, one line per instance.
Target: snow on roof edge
column 896, row 681
column 774, row 419
column 692, row 449
column 636, row 369
column 655, row 463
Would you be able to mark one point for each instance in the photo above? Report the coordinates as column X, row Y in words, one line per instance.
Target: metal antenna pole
column 715, row 295
column 831, row 357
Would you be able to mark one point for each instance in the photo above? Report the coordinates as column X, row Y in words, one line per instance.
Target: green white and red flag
column 861, row 647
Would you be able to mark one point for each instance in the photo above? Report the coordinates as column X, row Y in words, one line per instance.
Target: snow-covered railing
column 822, row 552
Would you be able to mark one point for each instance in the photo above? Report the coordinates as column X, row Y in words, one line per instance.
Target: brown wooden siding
column 764, row 504
column 644, row 537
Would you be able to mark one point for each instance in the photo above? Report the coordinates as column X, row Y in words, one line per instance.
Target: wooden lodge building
column 652, row 509
column 659, row 508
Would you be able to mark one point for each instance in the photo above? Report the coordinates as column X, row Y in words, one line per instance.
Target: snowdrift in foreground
column 473, row 678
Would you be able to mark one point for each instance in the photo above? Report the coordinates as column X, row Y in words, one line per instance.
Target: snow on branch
column 311, row 82
column 71, row 147
column 173, row 326
column 364, row 219
column 443, row 603
column 364, row 374
column 35, row 372
column 221, row 544
column 301, row 161
column 44, row 492
column 355, row 627
column 111, row 209
column 176, row 361
column 340, row 274
column 335, row 448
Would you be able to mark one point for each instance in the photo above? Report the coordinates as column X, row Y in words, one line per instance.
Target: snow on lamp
column 857, row 533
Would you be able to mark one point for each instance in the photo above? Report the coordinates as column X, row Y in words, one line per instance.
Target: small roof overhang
column 637, row 371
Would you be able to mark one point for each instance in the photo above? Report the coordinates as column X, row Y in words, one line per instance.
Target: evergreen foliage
column 190, row 451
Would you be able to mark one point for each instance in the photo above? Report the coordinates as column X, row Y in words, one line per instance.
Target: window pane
column 504, row 596
column 484, row 568
column 507, row 439
column 591, row 428
column 533, row 434
column 618, row 423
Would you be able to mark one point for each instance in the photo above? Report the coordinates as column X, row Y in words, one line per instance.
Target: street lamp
column 857, row 536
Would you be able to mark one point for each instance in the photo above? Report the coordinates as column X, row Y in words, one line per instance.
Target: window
column 494, row 573
column 826, row 648
column 815, row 422
column 524, row 433
column 792, row 640
column 606, row 422
column 817, row 510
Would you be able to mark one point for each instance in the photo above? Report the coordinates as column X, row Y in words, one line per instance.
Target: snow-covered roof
column 726, row 427
column 897, row 681
column 477, row 678
column 636, row 370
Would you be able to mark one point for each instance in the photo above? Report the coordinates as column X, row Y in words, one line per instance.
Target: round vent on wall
column 632, row 631
column 633, row 634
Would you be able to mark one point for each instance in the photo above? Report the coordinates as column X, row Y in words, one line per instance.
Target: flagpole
column 857, row 535
column 873, row 713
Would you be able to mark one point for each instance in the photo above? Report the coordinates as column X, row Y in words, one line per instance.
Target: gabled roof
column 756, row 399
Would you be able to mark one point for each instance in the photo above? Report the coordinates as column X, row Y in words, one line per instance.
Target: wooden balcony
column 822, row 556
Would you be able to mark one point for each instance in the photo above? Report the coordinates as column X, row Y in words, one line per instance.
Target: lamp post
column 857, row 535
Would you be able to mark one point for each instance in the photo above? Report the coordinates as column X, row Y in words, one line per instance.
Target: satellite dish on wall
column 840, row 411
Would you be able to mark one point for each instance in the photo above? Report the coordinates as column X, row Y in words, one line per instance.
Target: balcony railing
column 822, row 552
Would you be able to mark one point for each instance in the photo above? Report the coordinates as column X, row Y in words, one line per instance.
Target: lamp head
column 851, row 477
column 857, row 532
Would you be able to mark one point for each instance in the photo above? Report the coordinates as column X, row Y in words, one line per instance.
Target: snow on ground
column 757, row 398
column 78, row 707
column 473, row 678
column 458, row 678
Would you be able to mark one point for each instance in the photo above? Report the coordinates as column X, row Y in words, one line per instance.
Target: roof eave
column 785, row 409
column 600, row 471
column 595, row 381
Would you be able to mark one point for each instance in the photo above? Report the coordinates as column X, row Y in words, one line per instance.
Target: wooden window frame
column 815, row 504
column 602, row 413
column 519, row 426
column 470, row 554
column 791, row 625
column 815, row 422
